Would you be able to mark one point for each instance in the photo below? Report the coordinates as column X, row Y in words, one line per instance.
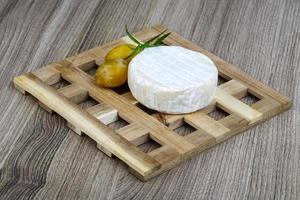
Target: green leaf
column 131, row 36
column 159, row 40
column 134, row 52
column 155, row 37
column 156, row 40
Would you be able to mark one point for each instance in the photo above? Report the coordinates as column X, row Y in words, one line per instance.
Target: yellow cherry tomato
column 121, row 51
column 112, row 73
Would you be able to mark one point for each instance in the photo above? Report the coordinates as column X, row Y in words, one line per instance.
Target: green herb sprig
column 153, row 42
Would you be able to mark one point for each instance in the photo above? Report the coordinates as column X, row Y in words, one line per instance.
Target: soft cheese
column 172, row 79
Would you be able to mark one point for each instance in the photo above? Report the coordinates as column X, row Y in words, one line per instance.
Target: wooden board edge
column 17, row 85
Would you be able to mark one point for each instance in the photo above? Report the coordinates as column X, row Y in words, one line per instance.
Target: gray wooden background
column 41, row 159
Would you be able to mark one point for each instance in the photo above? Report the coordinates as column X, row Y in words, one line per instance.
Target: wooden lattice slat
column 124, row 142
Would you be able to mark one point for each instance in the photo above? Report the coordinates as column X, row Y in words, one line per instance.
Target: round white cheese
column 172, row 79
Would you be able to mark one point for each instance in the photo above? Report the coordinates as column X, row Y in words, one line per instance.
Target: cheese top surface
column 172, row 79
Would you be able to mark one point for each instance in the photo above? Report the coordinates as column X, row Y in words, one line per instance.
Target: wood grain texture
column 39, row 159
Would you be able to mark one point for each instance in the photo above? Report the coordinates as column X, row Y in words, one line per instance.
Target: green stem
column 156, row 40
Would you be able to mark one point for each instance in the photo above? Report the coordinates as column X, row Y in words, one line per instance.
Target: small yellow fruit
column 121, row 51
column 112, row 73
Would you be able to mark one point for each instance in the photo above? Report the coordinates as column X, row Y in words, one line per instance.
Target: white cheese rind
column 172, row 79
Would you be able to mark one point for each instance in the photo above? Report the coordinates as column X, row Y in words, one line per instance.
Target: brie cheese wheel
column 172, row 79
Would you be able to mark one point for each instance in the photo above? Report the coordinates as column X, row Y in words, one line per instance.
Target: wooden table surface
column 40, row 158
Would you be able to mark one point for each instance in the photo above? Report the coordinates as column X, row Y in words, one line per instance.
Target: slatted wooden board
column 143, row 126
